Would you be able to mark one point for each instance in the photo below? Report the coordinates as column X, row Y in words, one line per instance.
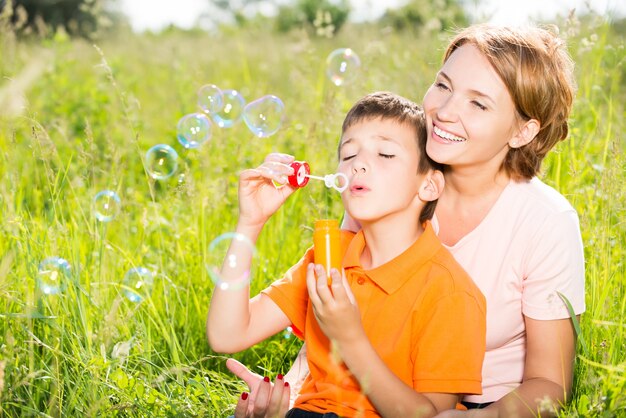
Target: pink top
column 527, row 249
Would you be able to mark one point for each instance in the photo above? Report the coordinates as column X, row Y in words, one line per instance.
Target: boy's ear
column 432, row 186
column 528, row 131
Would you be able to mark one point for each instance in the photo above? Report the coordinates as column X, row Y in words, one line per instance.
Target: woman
column 499, row 103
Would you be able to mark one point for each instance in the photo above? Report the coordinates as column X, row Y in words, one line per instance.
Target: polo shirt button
column 360, row 280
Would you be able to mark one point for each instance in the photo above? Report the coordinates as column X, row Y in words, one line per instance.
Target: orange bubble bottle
column 327, row 245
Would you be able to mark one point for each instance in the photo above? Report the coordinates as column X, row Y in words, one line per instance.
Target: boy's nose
column 358, row 167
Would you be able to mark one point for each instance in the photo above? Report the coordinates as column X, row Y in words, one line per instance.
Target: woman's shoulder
column 537, row 195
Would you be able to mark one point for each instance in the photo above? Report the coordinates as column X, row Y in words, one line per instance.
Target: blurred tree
column 78, row 17
column 324, row 17
column 427, row 15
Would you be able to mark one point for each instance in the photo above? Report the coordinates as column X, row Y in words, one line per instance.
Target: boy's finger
column 336, row 284
column 280, row 157
column 323, row 290
column 311, row 285
column 346, row 286
column 273, row 173
column 242, row 406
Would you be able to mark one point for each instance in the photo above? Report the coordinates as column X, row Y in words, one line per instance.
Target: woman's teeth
column 448, row 135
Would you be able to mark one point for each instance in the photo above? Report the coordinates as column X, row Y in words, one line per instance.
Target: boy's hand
column 334, row 306
column 258, row 197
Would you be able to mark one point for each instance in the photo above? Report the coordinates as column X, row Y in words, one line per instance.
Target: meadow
column 77, row 117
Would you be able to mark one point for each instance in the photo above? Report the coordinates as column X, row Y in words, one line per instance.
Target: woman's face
column 470, row 115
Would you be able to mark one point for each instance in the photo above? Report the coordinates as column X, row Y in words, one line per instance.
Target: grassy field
column 90, row 113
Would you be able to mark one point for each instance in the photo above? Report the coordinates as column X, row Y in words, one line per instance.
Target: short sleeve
column 450, row 345
column 554, row 265
column 290, row 293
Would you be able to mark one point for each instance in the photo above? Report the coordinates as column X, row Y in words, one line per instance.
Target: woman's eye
column 440, row 85
column 386, row 155
column 479, row 105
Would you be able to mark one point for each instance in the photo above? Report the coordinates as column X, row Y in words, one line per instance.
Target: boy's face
column 380, row 158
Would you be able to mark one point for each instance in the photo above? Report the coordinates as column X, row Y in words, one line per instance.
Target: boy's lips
column 358, row 188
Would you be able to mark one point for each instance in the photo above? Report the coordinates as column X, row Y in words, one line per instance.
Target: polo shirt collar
column 393, row 274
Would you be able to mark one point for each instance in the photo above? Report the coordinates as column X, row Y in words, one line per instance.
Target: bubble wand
column 302, row 174
column 326, row 236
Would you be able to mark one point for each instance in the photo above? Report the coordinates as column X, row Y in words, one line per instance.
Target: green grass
column 93, row 112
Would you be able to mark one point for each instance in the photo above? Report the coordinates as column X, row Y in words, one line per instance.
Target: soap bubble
column 161, row 161
column 106, row 205
column 264, row 116
column 193, row 130
column 231, row 112
column 342, row 66
column 230, row 271
column 53, row 275
column 210, row 98
column 138, row 283
column 288, row 333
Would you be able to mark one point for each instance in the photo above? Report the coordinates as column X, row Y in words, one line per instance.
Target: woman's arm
column 548, row 371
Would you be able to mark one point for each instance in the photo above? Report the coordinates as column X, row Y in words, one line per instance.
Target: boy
column 402, row 331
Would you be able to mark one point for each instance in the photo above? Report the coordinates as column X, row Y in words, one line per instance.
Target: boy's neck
column 386, row 239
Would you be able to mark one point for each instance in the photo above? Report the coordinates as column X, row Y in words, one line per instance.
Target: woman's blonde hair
column 537, row 70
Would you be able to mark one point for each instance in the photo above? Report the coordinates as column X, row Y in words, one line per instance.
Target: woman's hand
column 265, row 400
column 259, row 198
column 334, row 306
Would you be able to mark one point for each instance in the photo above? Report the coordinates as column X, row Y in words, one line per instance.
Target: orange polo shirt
column 421, row 312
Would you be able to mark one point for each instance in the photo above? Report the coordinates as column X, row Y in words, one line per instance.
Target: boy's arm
column 235, row 322
column 388, row 393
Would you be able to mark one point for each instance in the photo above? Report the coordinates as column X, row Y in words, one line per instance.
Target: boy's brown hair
column 387, row 105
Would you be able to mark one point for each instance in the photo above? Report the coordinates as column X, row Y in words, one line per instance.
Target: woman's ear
column 431, row 186
column 528, row 131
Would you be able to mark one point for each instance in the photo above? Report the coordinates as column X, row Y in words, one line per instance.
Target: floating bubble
column 229, row 259
column 288, row 333
column 193, row 130
column 106, row 205
column 53, row 275
column 342, row 66
column 210, row 98
column 264, row 116
column 138, row 283
column 232, row 110
column 161, row 161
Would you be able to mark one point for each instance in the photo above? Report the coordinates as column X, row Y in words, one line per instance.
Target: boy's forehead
column 387, row 132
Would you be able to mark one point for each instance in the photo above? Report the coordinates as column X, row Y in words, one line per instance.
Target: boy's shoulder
column 451, row 275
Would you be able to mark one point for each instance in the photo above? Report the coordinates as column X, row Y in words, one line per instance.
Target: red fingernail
column 279, row 377
column 266, row 379
column 244, row 396
column 286, row 384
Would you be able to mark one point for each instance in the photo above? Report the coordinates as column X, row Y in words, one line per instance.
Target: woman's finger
column 259, row 409
column 276, row 398
column 241, row 409
column 284, row 403
column 242, row 372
